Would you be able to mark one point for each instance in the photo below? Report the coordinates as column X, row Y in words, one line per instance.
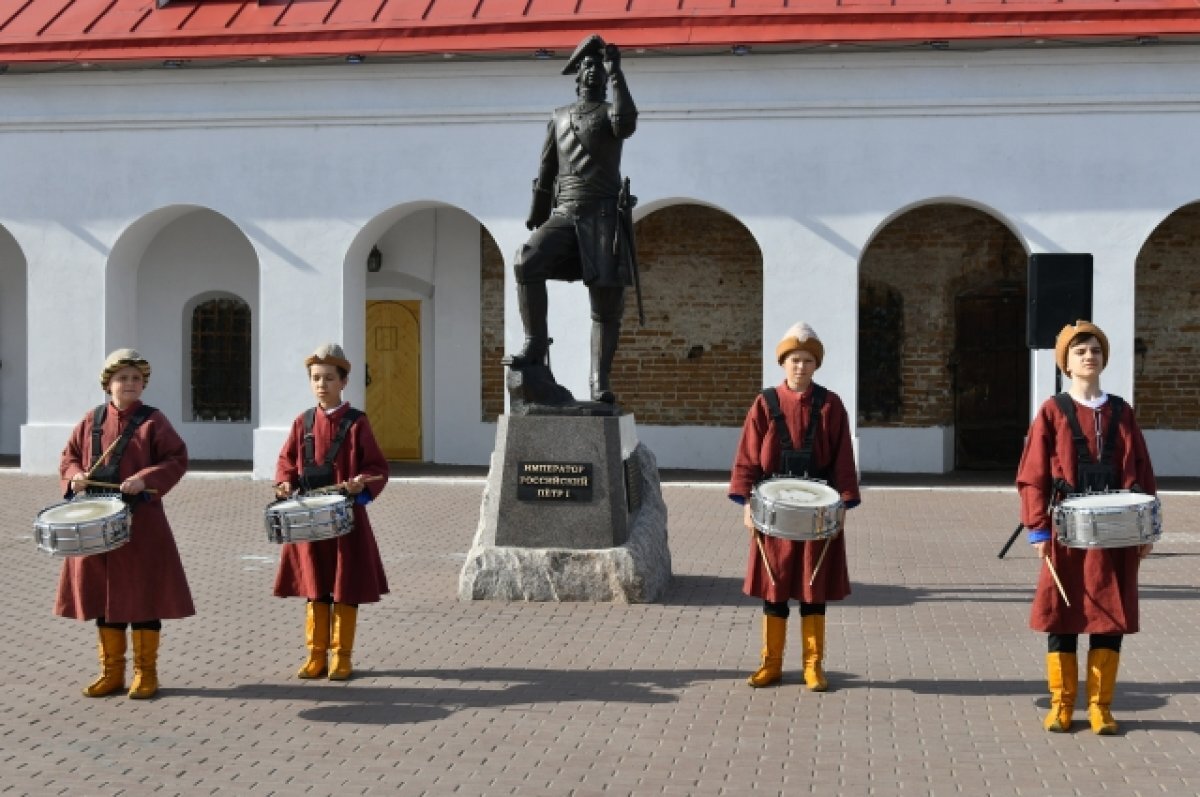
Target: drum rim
column 320, row 501
column 818, row 488
column 119, row 507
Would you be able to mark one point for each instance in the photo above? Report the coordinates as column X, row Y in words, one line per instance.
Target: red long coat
column 143, row 579
column 348, row 567
column 1101, row 583
column 757, row 457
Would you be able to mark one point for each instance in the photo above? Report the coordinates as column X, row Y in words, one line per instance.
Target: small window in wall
column 221, row 360
column 880, row 337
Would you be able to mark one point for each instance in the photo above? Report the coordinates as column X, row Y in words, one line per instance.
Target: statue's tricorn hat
column 592, row 45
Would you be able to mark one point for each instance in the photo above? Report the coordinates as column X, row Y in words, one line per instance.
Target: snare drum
column 1108, row 520
column 796, row 509
column 305, row 519
column 85, row 525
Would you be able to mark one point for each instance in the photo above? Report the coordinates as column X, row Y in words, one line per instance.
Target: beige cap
column 800, row 336
column 120, row 359
column 328, row 354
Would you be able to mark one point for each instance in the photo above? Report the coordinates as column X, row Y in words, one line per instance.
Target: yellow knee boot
column 345, row 618
column 112, row 663
column 145, row 664
column 812, row 629
column 1062, row 674
column 316, row 634
column 1101, row 682
column 774, row 640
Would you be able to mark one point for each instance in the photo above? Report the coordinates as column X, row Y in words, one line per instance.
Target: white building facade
column 133, row 195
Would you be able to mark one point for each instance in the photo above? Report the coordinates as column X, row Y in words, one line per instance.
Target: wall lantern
column 375, row 260
column 1140, row 350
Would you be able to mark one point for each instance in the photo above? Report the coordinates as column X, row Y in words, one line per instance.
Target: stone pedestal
column 572, row 510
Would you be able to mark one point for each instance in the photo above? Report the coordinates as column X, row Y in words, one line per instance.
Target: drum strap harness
column 314, row 476
column 797, row 462
column 1094, row 475
column 110, row 471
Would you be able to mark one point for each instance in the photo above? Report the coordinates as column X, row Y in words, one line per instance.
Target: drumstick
column 820, row 559
column 1054, row 573
column 112, row 486
column 333, row 488
column 763, row 553
column 103, row 457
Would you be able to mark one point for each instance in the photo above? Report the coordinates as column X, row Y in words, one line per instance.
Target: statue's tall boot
column 605, row 337
column 1101, row 682
column 812, row 630
column 532, row 302
column 345, row 618
column 774, row 641
column 145, row 664
column 111, row 647
column 1062, row 675
column 316, row 635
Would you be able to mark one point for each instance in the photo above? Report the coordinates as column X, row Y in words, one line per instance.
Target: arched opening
column 165, row 267
column 948, row 282
column 1167, row 324
column 433, row 289
column 13, row 347
column 698, row 361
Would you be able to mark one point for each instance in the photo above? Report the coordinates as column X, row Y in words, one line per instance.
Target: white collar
column 335, row 409
column 1096, row 403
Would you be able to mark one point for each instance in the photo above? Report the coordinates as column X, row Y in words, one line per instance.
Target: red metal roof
column 68, row 31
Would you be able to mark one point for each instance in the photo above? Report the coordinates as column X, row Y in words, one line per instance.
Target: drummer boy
column 1084, row 440
column 797, row 429
column 129, row 448
column 332, row 444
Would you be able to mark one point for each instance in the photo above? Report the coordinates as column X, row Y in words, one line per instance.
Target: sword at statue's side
column 625, row 204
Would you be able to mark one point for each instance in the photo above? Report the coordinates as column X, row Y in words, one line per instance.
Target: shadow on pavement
column 699, row 590
column 388, row 705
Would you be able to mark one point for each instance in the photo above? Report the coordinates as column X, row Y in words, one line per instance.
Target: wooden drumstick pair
column 767, row 562
column 87, row 477
column 333, row 488
column 111, row 486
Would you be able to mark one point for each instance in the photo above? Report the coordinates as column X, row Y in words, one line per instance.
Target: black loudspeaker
column 1060, row 293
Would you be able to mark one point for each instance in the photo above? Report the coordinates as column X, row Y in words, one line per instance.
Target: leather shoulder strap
column 772, row 398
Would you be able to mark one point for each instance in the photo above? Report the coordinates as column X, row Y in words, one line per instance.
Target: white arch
column 158, row 267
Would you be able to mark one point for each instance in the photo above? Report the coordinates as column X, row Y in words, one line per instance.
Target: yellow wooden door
column 394, row 376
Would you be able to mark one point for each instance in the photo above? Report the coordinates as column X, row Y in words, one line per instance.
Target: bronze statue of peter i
column 580, row 215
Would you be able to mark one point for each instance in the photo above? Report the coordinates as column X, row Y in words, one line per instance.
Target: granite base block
column 638, row 571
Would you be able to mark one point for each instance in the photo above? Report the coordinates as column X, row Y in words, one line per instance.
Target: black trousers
column 142, row 625
column 1069, row 643
column 781, row 609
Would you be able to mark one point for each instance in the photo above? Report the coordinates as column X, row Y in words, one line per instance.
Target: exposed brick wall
column 1167, row 306
column 491, row 327
column 930, row 255
column 698, row 361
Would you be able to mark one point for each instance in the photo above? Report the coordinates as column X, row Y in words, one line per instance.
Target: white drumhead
column 798, row 492
column 1107, row 501
column 83, row 510
column 309, row 502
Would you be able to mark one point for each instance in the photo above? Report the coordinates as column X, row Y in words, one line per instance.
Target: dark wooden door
column 991, row 377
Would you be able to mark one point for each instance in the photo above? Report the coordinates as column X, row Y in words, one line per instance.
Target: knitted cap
column 1072, row 331
column 328, row 354
column 800, row 336
column 120, row 359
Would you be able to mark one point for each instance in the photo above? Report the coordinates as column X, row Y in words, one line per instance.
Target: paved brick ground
column 937, row 683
